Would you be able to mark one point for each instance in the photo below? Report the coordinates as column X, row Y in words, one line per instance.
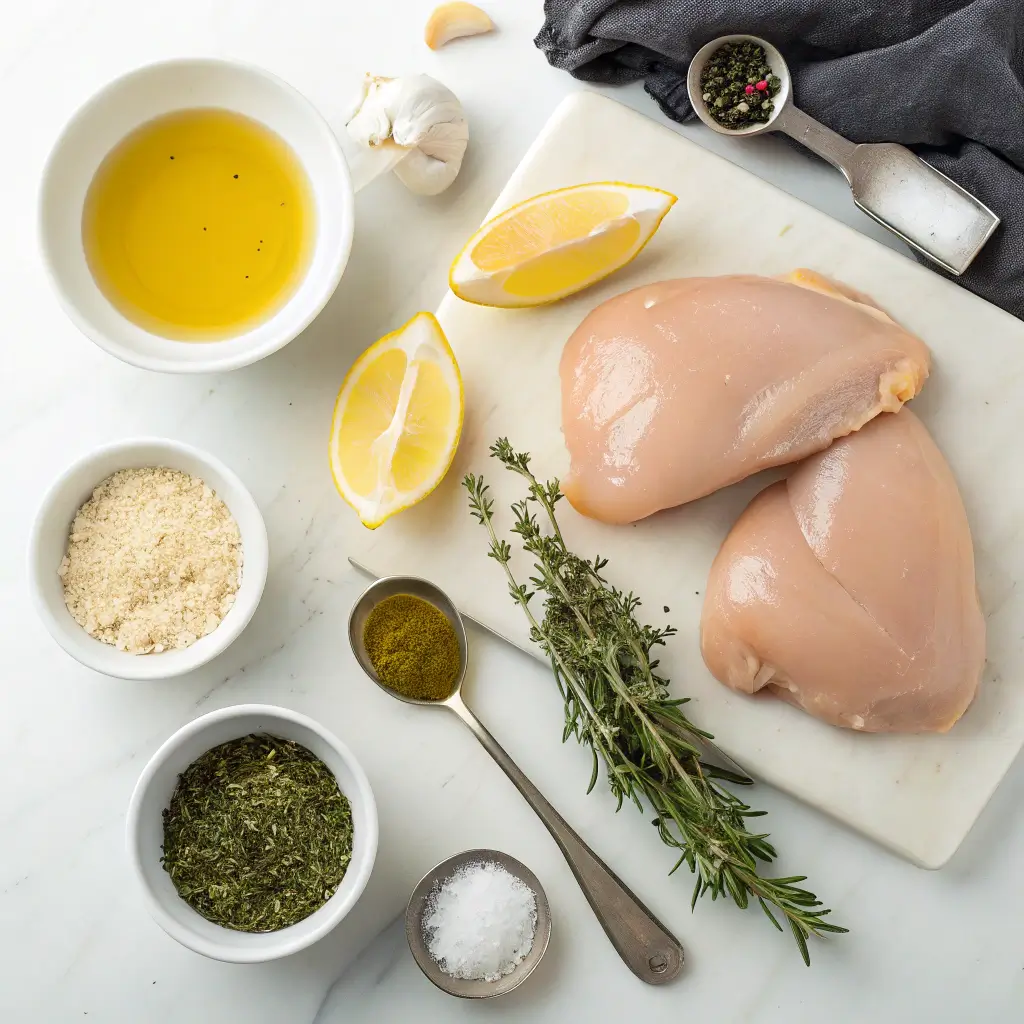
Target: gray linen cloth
column 941, row 76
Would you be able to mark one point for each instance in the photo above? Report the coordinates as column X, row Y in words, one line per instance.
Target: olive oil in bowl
column 199, row 224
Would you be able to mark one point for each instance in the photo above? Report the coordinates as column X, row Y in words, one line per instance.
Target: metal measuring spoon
column 649, row 950
column 893, row 186
column 418, row 908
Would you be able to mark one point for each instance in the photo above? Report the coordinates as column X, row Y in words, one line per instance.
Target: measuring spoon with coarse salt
column 649, row 950
column 892, row 185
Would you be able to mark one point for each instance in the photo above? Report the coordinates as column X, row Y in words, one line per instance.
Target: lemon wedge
column 555, row 244
column 397, row 421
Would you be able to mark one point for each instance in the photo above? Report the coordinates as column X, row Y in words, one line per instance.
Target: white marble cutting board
column 918, row 795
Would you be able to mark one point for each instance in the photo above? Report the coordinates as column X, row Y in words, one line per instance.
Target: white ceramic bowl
column 144, row 832
column 131, row 101
column 48, row 544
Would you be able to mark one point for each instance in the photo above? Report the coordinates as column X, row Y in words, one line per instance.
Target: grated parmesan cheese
column 153, row 562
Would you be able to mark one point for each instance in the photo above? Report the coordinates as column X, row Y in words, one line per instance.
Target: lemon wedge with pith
column 397, row 421
column 557, row 243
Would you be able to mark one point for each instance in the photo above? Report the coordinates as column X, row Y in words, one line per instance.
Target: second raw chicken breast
column 676, row 389
column 849, row 588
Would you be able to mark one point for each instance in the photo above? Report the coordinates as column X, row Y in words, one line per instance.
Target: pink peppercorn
column 749, row 89
column 762, row 85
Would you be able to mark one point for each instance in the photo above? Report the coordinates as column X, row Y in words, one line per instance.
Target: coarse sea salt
column 480, row 923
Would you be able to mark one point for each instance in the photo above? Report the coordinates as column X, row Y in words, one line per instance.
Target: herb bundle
column 617, row 704
column 258, row 835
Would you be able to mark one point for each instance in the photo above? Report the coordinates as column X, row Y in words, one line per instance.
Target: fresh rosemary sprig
column 617, row 704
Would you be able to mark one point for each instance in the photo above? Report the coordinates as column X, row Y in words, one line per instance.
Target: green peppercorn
column 728, row 74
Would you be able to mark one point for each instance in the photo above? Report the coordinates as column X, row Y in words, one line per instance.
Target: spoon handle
column 649, row 950
column 819, row 139
column 895, row 187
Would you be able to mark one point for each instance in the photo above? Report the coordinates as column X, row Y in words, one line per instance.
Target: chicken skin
column 849, row 588
column 676, row 389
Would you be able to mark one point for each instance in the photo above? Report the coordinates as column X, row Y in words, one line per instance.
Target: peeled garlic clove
column 453, row 20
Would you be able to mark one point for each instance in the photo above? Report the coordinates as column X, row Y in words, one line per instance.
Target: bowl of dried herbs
column 253, row 832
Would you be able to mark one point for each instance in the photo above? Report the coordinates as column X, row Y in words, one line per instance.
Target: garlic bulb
column 421, row 116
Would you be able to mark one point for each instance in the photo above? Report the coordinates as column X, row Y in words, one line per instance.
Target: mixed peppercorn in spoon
column 738, row 85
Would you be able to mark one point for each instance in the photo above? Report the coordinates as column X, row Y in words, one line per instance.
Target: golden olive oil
column 199, row 224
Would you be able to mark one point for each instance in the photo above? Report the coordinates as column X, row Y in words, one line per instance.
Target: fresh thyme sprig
column 617, row 704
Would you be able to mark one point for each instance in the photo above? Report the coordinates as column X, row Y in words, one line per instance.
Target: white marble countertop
column 76, row 943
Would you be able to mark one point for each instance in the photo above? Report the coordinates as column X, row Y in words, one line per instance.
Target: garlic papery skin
column 453, row 21
column 420, row 116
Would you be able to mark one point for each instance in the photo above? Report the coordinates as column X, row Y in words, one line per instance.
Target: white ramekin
column 49, row 539
column 144, row 832
column 123, row 106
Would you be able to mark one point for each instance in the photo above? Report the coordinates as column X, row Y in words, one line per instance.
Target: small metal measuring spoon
column 418, row 908
column 650, row 951
column 893, row 186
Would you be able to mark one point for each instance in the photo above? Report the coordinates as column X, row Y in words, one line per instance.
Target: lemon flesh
column 557, row 243
column 546, row 223
column 397, row 421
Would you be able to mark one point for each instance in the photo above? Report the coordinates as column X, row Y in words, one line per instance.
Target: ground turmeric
column 413, row 647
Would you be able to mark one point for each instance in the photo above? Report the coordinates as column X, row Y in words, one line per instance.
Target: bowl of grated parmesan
column 147, row 558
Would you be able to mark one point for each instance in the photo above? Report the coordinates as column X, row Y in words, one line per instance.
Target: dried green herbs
column 257, row 836
column 738, row 86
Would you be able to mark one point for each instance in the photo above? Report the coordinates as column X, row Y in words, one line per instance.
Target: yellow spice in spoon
column 413, row 647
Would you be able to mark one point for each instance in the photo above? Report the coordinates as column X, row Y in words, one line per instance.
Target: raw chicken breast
column 849, row 588
column 676, row 389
